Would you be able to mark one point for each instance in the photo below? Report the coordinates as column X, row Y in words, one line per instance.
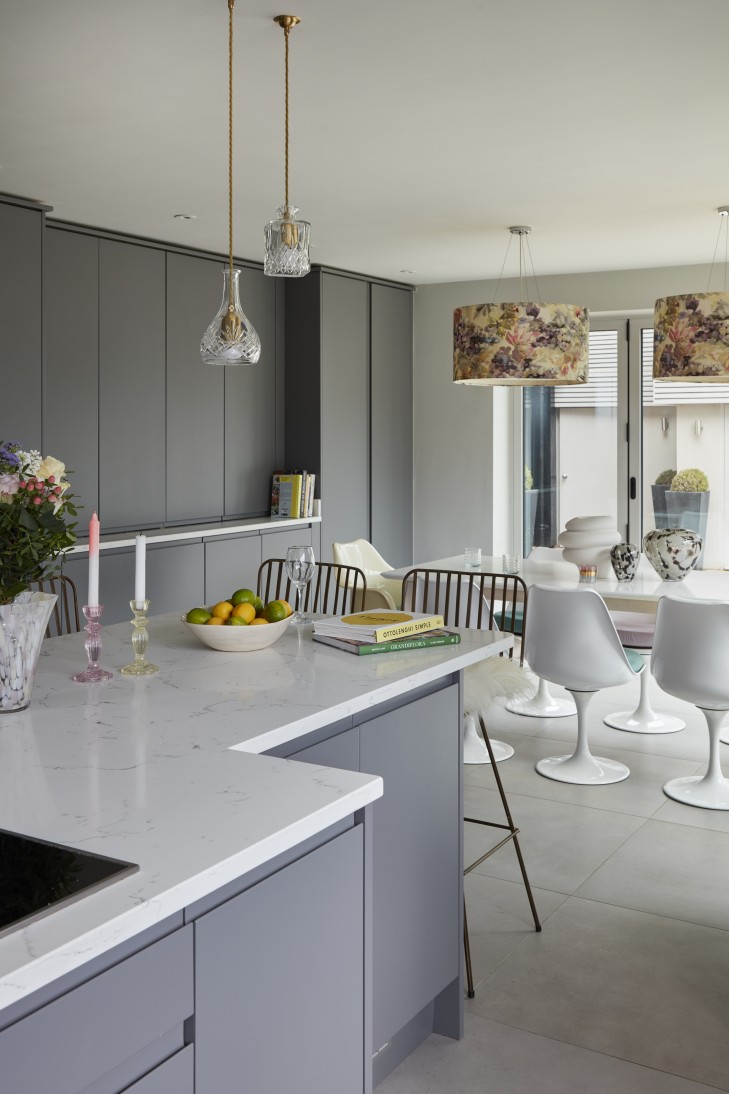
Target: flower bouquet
column 34, row 505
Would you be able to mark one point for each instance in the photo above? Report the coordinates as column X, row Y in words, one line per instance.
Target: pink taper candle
column 93, row 599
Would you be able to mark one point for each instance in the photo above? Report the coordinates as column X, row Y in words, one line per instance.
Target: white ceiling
column 420, row 131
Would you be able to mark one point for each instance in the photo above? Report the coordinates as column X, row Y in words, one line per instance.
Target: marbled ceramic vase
column 624, row 558
column 672, row 552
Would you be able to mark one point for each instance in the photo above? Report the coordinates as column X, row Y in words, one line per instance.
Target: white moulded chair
column 543, row 704
column 636, row 631
column 381, row 591
column 690, row 660
column 571, row 640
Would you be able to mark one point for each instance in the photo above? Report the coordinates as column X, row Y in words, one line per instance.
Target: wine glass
column 300, row 570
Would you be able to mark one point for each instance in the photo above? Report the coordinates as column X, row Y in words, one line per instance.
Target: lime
column 197, row 615
column 236, row 621
column 244, row 596
column 275, row 611
column 257, row 604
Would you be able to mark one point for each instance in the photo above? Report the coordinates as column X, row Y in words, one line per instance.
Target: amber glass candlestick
column 140, row 666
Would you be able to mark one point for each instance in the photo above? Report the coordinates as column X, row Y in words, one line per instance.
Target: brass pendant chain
column 231, row 4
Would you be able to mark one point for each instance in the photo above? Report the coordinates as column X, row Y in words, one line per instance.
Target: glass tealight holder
column 140, row 666
column 472, row 556
column 511, row 564
column 588, row 575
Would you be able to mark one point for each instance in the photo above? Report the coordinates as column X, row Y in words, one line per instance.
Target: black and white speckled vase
column 624, row 558
column 672, row 552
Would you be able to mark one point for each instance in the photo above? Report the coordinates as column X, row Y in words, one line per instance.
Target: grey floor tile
column 717, row 820
column 669, row 869
column 641, row 794
column 562, row 844
column 642, row 988
column 493, row 1057
column 499, row 919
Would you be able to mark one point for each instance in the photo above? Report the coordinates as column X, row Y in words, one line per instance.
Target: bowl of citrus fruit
column 240, row 624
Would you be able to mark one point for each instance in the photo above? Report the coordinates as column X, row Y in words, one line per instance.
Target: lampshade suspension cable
column 522, row 231
column 287, row 239
column 231, row 338
column 723, row 212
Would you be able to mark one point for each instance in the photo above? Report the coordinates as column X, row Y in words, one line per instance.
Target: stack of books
column 292, row 494
column 384, row 632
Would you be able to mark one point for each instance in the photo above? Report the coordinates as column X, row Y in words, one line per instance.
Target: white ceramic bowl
column 238, row 639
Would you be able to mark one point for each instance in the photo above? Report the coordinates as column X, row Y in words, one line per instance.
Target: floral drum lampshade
column 691, row 337
column 520, row 344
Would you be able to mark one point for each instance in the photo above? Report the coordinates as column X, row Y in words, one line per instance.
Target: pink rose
column 38, row 501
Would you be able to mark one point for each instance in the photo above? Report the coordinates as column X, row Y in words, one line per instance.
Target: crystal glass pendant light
column 231, row 338
column 287, row 239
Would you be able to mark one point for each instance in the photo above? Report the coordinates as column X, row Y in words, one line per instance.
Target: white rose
column 51, row 466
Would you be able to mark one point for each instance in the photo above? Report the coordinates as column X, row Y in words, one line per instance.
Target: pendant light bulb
column 231, row 338
column 287, row 239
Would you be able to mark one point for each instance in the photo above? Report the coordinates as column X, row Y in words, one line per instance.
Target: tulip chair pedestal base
column 542, row 705
column 474, row 746
column 586, row 770
column 644, row 718
column 582, row 767
column 709, row 791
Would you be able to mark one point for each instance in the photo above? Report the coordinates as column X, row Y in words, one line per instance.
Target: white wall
column 460, row 462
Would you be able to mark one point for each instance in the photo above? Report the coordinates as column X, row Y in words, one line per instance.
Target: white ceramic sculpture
column 586, row 541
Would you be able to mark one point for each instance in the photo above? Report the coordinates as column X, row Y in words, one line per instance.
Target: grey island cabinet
column 289, row 927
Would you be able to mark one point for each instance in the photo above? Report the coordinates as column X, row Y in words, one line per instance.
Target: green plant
column 528, row 479
column 690, row 480
column 665, row 478
column 33, row 507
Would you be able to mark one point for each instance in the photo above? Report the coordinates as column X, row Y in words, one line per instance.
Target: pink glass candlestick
column 92, row 674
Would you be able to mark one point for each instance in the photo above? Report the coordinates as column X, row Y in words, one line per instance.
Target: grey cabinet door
column 344, row 485
column 392, row 423
column 231, row 563
column 131, row 385
column 251, row 408
column 275, row 544
column 21, row 323
column 174, row 1076
column 279, row 980
column 71, row 386
column 416, row 834
column 195, row 395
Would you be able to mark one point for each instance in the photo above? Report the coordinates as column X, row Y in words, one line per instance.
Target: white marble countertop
column 162, row 771
column 172, row 533
column 645, row 587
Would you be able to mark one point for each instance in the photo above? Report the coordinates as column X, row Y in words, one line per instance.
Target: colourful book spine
column 354, row 645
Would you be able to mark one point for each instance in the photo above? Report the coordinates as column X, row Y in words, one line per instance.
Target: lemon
column 244, row 596
column 222, row 609
column 244, row 612
column 214, row 621
column 275, row 611
column 257, row 621
column 197, row 615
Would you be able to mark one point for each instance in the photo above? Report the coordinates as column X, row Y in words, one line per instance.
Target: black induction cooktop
column 37, row 877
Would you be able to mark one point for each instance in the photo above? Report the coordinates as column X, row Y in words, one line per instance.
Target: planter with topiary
column 687, row 502
column 658, row 490
column 531, row 497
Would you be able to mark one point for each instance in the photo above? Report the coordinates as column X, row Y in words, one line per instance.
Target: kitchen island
column 257, row 900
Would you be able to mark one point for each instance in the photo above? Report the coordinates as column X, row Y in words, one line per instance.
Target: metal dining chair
column 476, row 602
column 333, row 590
column 65, row 618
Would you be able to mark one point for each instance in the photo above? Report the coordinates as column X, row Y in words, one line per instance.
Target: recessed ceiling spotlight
column 184, row 216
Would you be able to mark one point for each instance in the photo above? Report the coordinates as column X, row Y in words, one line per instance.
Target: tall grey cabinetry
column 21, row 235
column 348, row 396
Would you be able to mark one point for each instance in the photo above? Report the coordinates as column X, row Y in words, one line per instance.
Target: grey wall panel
column 303, row 373
column 417, row 858
column 21, row 324
column 131, row 385
column 391, row 458
column 250, row 406
column 344, row 484
column 71, row 378
column 279, row 980
column 231, row 563
column 195, row 395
